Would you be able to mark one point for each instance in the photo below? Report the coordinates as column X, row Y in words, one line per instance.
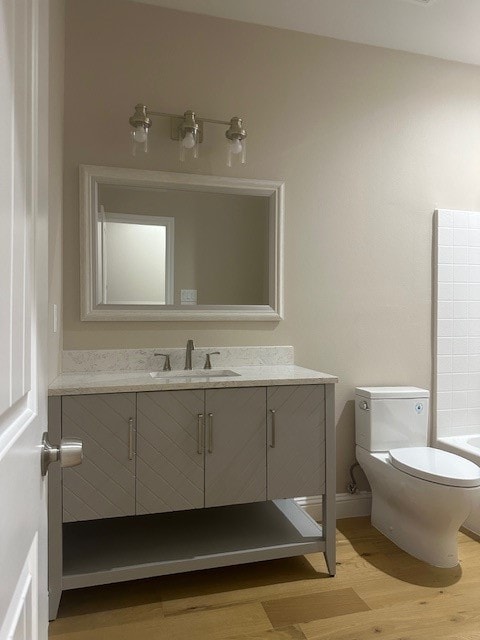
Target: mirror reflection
column 164, row 246
column 137, row 260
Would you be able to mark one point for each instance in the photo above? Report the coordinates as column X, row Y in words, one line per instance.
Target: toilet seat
column 436, row 466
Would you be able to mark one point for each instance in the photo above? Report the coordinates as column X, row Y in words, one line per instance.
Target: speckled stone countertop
column 124, row 381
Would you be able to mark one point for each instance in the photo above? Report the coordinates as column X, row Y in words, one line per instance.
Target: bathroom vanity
column 188, row 470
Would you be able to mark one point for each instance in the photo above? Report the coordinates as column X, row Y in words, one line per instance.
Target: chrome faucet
column 188, row 355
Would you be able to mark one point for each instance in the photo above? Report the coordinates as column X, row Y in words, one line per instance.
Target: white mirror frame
column 92, row 176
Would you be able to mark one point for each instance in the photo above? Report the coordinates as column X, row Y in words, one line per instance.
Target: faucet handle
column 166, row 365
column 208, row 363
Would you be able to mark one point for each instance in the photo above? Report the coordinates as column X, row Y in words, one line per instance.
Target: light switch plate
column 188, row 296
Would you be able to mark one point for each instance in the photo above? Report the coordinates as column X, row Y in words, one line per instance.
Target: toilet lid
column 436, row 465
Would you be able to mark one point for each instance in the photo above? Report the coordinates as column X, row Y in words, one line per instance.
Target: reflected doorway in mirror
column 135, row 259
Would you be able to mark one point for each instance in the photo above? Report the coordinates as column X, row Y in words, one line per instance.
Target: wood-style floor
column 379, row 592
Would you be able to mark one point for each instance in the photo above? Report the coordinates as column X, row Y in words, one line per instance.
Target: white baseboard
column 348, row 505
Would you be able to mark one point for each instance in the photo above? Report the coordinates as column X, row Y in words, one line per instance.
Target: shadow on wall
column 345, row 436
column 385, row 556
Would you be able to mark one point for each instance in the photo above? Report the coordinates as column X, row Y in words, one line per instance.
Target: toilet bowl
column 420, row 495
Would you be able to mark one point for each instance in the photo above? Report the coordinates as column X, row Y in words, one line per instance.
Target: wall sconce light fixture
column 141, row 123
column 188, row 130
column 237, row 143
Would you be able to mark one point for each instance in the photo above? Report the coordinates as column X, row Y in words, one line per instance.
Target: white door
column 23, row 312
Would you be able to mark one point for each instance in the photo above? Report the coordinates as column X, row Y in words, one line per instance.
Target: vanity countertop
column 69, row 384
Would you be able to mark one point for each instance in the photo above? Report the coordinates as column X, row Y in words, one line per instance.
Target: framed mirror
column 173, row 246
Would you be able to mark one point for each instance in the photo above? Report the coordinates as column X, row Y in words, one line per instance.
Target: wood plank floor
column 379, row 592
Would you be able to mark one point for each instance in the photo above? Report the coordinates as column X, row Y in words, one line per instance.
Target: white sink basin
column 195, row 373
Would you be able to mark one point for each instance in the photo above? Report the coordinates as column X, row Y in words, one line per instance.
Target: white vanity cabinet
column 179, row 479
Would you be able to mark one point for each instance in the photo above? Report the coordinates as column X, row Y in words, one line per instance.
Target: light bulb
column 140, row 134
column 236, row 146
column 188, row 140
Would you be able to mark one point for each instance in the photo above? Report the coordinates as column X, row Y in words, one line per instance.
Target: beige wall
column 368, row 142
column 55, row 186
column 214, row 233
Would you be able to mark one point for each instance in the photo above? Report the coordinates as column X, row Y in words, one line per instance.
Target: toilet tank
column 390, row 417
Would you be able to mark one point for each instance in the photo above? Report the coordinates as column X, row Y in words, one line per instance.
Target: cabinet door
column 235, row 458
column 296, row 441
column 170, row 457
column 103, row 486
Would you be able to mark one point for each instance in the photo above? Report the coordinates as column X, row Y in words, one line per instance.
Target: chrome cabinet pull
column 200, row 433
column 273, row 436
column 210, row 433
column 130, row 439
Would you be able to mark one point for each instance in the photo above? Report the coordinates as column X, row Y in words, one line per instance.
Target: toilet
column 420, row 495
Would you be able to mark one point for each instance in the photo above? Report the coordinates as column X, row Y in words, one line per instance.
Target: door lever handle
column 69, row 453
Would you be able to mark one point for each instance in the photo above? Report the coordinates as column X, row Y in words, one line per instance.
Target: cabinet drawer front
column 235, row 468
column 103, row 486
column 296, row 461
column 170, row 459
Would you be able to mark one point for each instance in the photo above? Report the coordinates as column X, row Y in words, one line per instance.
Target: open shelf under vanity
column 118, row 549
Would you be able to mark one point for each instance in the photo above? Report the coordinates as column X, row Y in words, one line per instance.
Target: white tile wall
column 457, row 307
